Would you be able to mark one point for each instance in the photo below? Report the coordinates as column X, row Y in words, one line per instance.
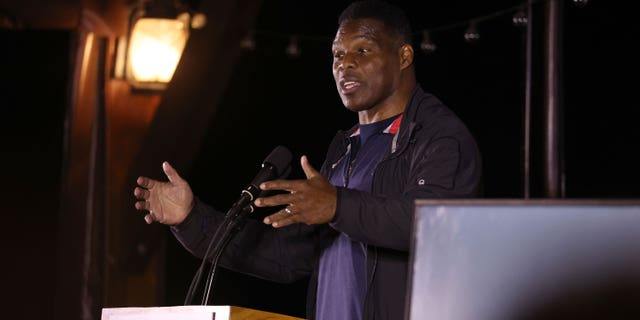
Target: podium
column 191, row 313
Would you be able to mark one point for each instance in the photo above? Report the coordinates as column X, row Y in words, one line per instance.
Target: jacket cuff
column 188, row 221
column 339, row 215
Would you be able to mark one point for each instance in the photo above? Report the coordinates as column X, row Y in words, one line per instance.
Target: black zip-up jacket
column 432, row 156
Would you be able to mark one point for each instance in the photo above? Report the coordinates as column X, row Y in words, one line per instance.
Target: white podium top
column 168, row 313
column 194, row 312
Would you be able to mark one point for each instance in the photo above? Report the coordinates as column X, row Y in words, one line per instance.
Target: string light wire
column 292, row 48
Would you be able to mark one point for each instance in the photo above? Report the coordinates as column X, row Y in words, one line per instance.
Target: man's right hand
column 166, row 202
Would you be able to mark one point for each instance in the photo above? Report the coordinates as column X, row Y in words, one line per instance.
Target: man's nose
column 349, row 61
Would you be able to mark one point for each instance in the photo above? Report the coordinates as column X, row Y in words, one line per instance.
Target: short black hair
column 393, row 17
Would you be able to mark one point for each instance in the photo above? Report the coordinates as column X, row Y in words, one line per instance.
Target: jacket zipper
column 374, row 249
column 347, row 174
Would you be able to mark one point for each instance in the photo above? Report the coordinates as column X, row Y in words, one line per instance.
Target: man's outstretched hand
column 166, row 202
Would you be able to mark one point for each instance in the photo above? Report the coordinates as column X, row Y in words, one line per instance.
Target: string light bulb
column 293, row 50
column 520, row 18
column 248, row 43
column 580, row 3
column 198, row 20
column 427, row 46
column 472, row 35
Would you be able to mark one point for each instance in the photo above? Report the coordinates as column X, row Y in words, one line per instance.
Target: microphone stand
column 232, row 228
column 218, row 242
column 276, row 164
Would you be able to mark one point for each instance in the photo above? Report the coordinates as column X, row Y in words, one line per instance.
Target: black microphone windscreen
column 280, row 159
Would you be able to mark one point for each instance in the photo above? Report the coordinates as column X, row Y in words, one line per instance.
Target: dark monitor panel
column 525, row 259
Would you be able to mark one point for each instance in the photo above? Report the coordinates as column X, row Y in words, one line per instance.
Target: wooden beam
column 39, row 14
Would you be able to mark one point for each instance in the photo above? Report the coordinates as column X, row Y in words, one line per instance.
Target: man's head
column 373, row 58
column 394, row 19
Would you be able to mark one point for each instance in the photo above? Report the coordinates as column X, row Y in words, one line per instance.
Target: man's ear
column 406, row 56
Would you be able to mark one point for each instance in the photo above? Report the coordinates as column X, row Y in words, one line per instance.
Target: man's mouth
column 348, row 87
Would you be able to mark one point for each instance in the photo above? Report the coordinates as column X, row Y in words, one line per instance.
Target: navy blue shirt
column 342, row 277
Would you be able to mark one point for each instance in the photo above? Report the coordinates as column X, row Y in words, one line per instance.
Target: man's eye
column 338, row 54
column 363, row 50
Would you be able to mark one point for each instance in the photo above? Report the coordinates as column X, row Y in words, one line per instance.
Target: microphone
column 276, row 165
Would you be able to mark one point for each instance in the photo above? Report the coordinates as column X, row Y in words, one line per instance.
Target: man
column 348, row 225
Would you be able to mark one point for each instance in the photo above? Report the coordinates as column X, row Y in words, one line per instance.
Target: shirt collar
column 393, row 128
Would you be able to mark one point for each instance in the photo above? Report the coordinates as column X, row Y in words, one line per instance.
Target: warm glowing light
column 155, row 48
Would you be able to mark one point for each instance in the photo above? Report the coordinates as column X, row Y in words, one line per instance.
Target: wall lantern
column 158, row 32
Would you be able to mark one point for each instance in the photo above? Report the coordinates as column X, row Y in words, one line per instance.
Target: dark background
column 274, row 100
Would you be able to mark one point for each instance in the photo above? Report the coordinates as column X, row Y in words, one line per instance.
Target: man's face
column 366, row 64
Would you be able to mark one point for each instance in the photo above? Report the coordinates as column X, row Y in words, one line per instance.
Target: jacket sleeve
column 281, row 255
column 446, row 167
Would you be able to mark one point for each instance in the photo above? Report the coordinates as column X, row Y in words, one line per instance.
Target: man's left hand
column 310, row 201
